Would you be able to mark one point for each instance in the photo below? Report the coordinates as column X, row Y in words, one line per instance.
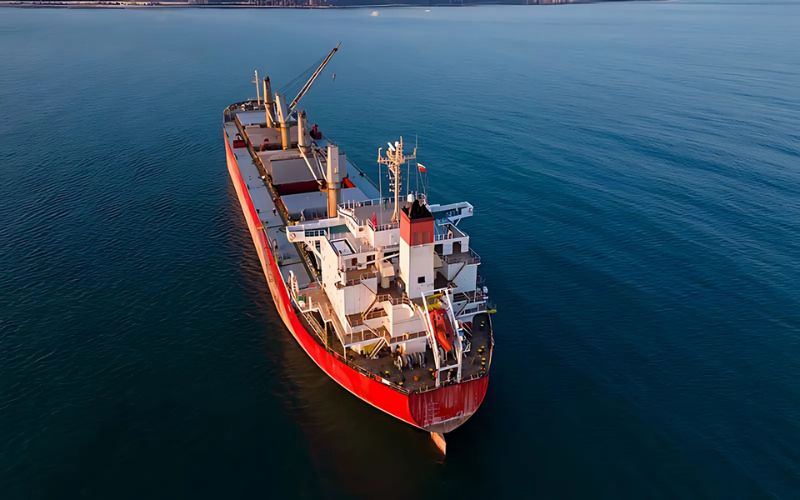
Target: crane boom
column 314, row 76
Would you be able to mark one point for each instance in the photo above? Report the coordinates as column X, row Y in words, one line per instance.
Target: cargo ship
column 380, row 289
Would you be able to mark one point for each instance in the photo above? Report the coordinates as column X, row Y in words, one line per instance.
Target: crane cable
column 297, row 82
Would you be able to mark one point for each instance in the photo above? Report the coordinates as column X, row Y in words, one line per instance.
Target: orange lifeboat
column 442, row 329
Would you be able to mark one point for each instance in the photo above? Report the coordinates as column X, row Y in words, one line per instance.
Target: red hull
column 439, row 410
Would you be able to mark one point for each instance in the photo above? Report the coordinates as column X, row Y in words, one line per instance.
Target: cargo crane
column 314, row 76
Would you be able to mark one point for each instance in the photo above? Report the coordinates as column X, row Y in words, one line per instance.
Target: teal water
column 634, row 168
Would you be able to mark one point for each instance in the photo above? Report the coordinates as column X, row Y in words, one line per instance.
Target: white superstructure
column 384, row 265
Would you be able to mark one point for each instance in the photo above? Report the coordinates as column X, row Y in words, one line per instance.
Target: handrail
column 408, row 336
column 382, row 227
column 470, row 258
column 448, row 231
column 375, row 313
column 355, row 337
column 395, row 301
column 350, row 204
column 361, row 277
column 469, row 296
column 402, row 300
column 480, row 307
column 348, row 209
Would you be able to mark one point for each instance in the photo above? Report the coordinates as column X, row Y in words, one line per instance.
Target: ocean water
column 635, row 169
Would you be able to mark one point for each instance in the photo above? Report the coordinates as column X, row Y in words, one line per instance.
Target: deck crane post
column 269, row 103
column 283, row 120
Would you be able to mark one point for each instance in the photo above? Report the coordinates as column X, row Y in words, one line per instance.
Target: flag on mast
column 422, row 168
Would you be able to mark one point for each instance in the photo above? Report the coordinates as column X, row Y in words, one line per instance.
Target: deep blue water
column 635, row 170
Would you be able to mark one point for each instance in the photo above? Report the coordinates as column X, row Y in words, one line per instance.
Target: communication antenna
column 394, row 160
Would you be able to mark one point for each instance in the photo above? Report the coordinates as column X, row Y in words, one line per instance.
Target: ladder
column 378, row 346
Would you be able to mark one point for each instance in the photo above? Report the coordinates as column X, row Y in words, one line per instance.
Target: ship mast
column 395, row 159
column 258, row 83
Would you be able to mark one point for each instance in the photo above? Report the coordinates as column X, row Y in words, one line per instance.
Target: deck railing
column 382, row 227
column 374, row 376
column 361, row 277
column 470, row 258
column 473, row 296
column 407, row 336
column 361, row 336
column 448, row 232
column 351, row 204
column 375, row 313
column 395, row 301
column 348, row 208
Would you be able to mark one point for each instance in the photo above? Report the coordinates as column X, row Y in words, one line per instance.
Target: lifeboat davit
column 442, row 329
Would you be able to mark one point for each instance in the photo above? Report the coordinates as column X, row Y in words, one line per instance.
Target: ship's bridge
column 375, row 213
column 372, row 220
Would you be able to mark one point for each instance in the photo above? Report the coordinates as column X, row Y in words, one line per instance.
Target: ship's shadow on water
column 340, row 433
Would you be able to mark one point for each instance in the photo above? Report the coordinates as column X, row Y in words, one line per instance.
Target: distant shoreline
column 29, row 4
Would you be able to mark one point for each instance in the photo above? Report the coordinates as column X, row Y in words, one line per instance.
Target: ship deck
column 269, row 213
column 417, row 378
column 421, row 379
column 275, row 214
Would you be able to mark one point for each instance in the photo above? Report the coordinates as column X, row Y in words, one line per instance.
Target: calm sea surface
column 635, row 170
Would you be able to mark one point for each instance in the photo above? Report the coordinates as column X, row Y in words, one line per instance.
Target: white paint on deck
column 250, row 118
